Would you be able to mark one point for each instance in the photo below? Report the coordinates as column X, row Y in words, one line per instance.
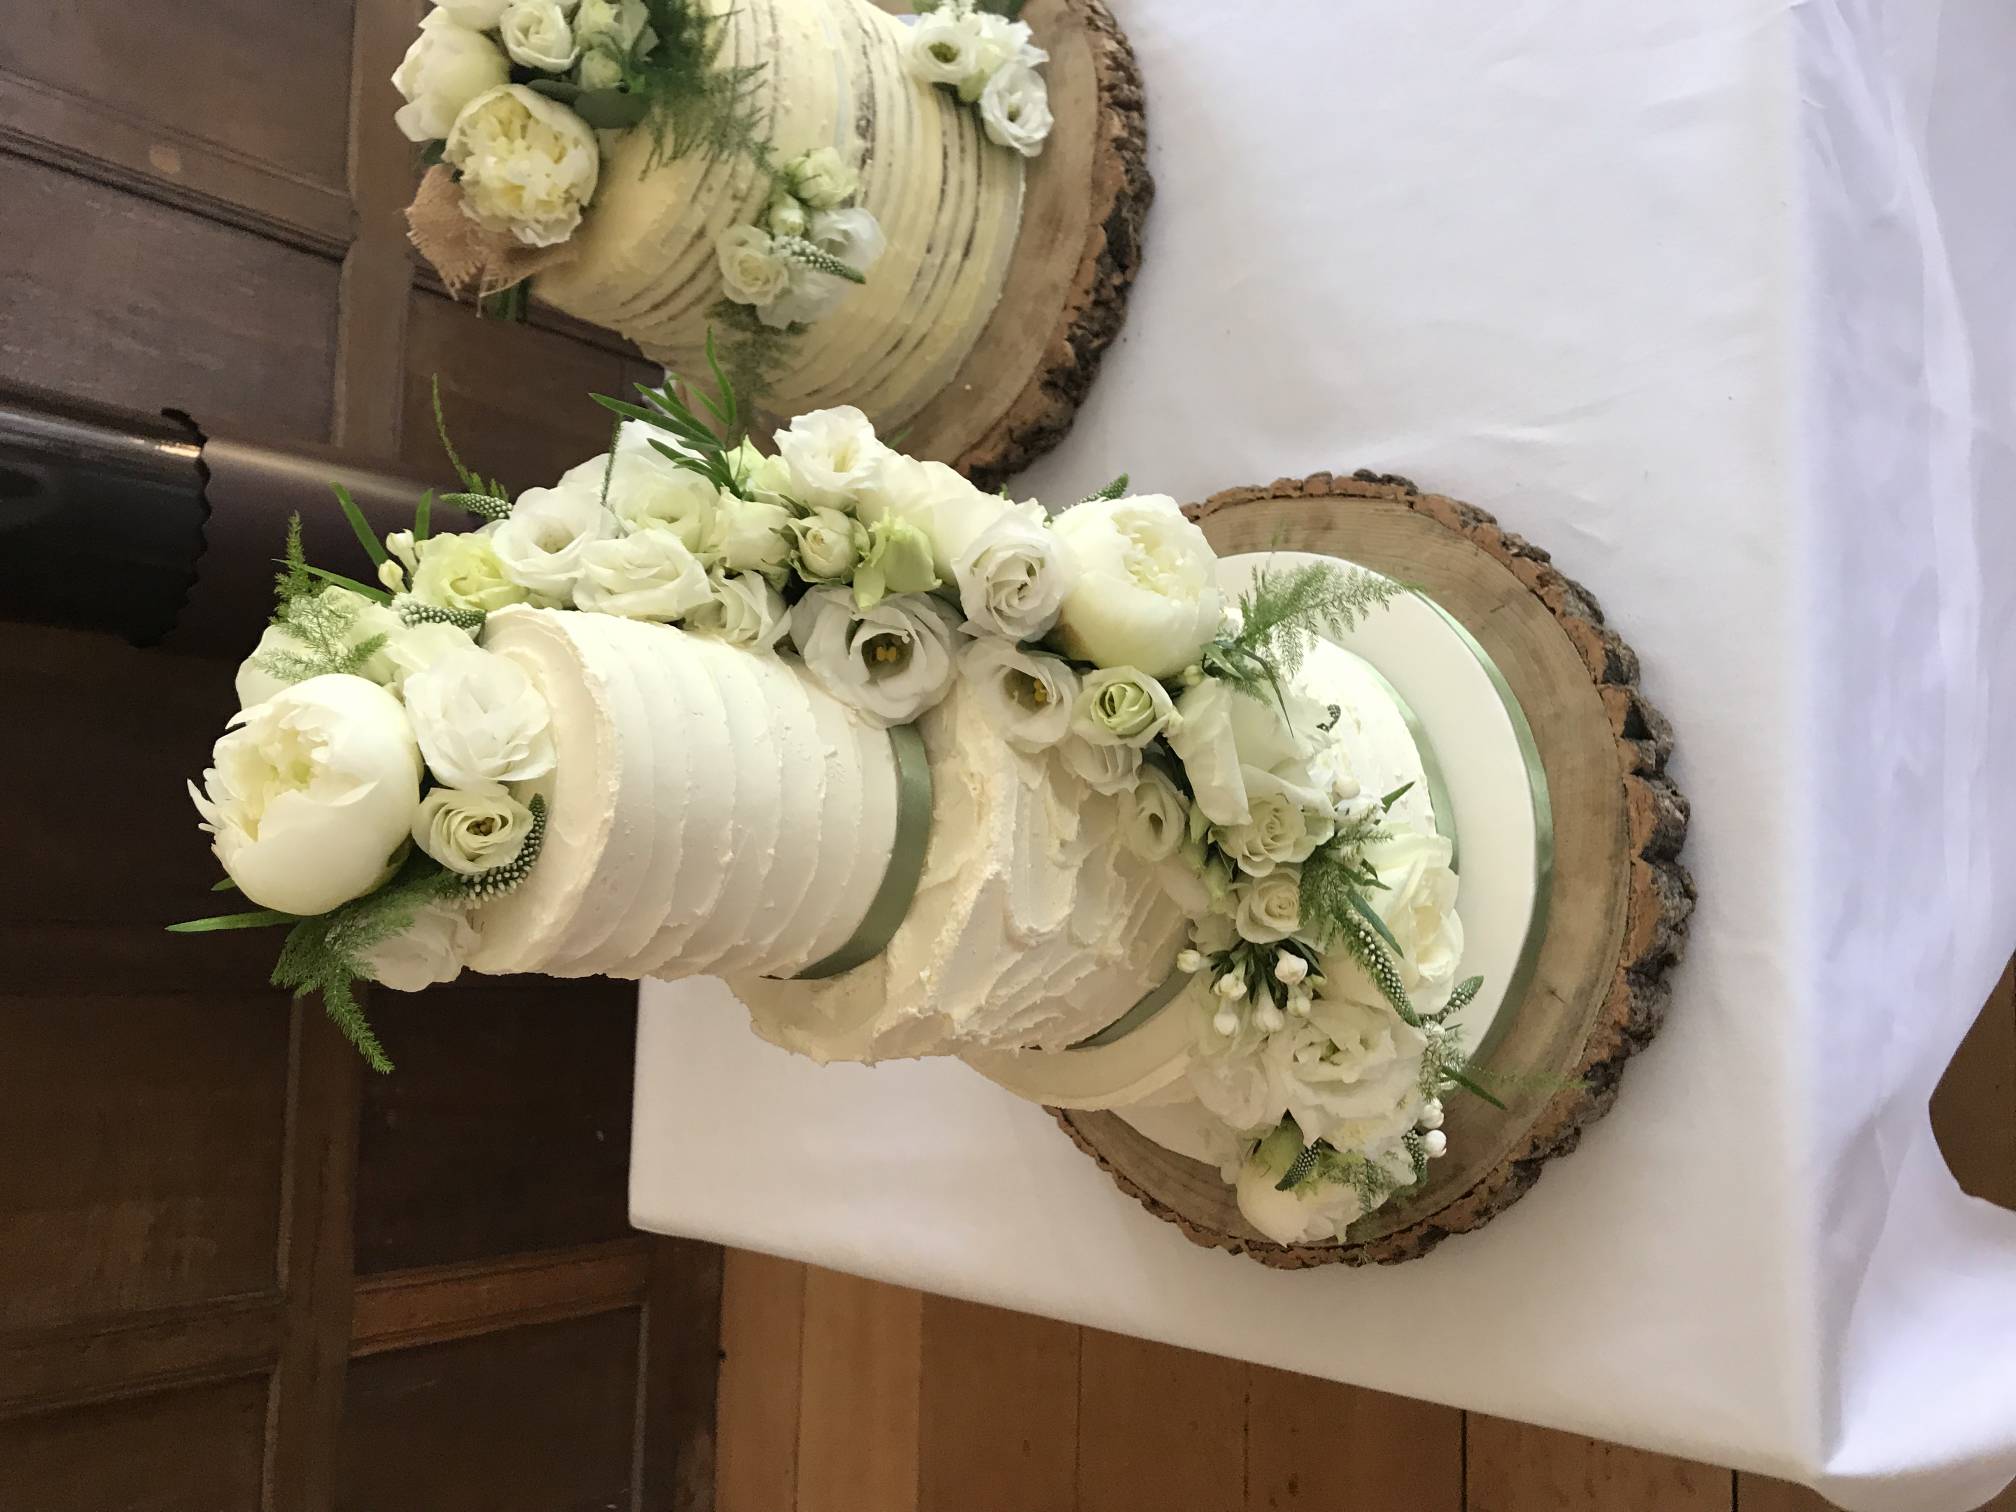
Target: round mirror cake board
column 1084, row 201
column 1616, row 911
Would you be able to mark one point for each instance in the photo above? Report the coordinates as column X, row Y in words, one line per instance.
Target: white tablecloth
column 1713, row 299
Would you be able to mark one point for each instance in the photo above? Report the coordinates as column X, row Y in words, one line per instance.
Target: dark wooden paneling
column 506, row 1127
column 443, row 1302
column 1000, row 1411
column 529, row 1420
column 267, row 82
column 121, row 299
column 1159, row 1427
column 183, row 1451
column 682, row 1362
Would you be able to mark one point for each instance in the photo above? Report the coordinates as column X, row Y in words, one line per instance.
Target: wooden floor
column 842, row 1395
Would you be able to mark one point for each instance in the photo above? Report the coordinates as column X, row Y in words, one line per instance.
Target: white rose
column 536, row 34
column 752, row 270
column 1349, row 1073
column 938, row 501
column 529, row 164
column 1232, row 746
column 599, row 69
column 477, row 15
column 448, row 65
column 942, row 49
column 610, row 27
column 1418, row 906
column 417, row 648
column 829, row 545
column 1308, row 1213
column 648, row 574
column 853, row 237
column 891, row 662
column 831, row 453
column 648, row 490
column 750, row 535
column 1120, row 706
column 369, row 618
column 1147, row 589
column 546, row 536
column 998, row 44
column 310, row 792
column 1015, row 109
column 471, row 832
column 1013, row 576
column 744, row 611
column 822, row 179
column 434, row 950
column 480, row 721
column 1153, row 816
column 1103, row 768
column 1277, row 829
column 1269, row 908
column 1026, row 696
column 462, row 571
column 767, row 479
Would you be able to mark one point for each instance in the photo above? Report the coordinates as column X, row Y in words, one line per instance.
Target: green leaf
column 346, row 582
column 1114, row 490
column 423, row 514
column 470, row 481
column 1474, row 1090
column 1396, row 795
column 563, row 90
column 260, row 918
column 612, row 109
column 432, row 153
column 1371, row 916
column 360, row 527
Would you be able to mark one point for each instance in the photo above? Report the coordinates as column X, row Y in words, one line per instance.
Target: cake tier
column 711, row 809
column 1033, row 924
column 832, row 75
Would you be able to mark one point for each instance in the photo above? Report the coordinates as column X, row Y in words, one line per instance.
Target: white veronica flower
column 743, row 611
column 448, row 65
column 434, row 950
column 528, row 164
column 545, row 538
column 1013, row 576
column 832, row 454
column 310, row 792
column 1269, row 908
column 536, row 34
column 1146, row 593
column 1120, row 706
column 1026, row 696
column 1015, row 109
column 938, row 501
column 470, row 832
column 648, row 574
column 480, row 721
column 753, row 272
column 1153, row 816
column 1103, row 768
column 889, row 663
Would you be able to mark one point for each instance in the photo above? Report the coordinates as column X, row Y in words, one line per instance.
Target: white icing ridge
column 949, row 202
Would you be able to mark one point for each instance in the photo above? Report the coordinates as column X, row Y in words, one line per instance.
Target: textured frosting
column 710, row 808
column 948, row 200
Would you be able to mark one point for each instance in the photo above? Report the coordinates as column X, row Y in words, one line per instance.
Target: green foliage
column 1114, row 490
column 474, row 485
column 316, row 621
column 1283, row 610
column 703, row 443
column 258, row 918
column 499, row 880
column 694, row 102
column 753, row 351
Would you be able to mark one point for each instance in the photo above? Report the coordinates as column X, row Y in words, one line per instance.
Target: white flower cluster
column 783, row 267
column 990, row 63
column 527, row 164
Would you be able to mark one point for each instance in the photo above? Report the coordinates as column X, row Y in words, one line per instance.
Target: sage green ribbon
column 1431, row 766
column 1158, row 999
column 892, row 899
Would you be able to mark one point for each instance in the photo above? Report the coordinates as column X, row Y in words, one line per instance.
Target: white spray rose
column 829, row 545
column 1015, row 109
column 744, row 611
column 938, row 501
column 832, row 454
column 1232, row 746
column 418, row 648
column 942, row 49
column 448, row 65
column 1153, row 816
column 1309, row 1213
column 480, row 721
column 648, row 574
column 434, row 950
column 543, row 542
column 1026, row 695
column 470, row 832
column 1269, row 908
column 368, row 618
column 529, row 164
column 1120, row 706
column 1278, row 828
column 536, row 34
column 310, row 792
column 750, row 535
column 753, row 272
column 1103, row 768
column 890, row 663
column 822, row 178
column 1147, row 589
column 1013, row 577
column 462, row 571
column 1350, row 1073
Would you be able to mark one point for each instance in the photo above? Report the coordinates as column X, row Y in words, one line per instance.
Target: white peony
column 1103, row 768
column 462, row 571
column 536, row 34
column 753, row 272
column 471, row 832
column 831, row 453
column 1147, row 589
column 649, row 574
column 938, row 501
column 369, row 618
column 1418, row 905
column 1013, row 576
column 1309, row 1213
column 1269, row 908
column 828, row 545
column 890, row 663
column 1349, row 1073
column 544, row 540
column 751, row 535
column 1015, row 109
column 432, row 951
column 1025, row 695
column 1153, row 816
column 1120, row 706
column 480, row 721
column 822, row 178
column 1232, row 746
column 310, row 792
column 529, row 164
column 744, row 610
column 448, row 65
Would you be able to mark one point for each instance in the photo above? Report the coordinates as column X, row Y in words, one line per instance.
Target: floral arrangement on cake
column 378, row 782
column 989, row 60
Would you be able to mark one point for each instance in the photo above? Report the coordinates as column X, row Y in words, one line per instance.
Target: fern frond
column 1283, row 610
column 695, row 102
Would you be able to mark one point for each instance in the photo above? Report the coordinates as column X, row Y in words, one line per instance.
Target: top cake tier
column 949, row 202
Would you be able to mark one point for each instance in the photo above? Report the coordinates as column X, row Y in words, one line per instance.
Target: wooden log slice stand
column 1620, row 898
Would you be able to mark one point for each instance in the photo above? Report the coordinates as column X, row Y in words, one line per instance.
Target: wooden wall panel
column 859, row 1396
column 1974, row 1108
column 1159, row 1427
column 1314, row 1446
column 136, row 303
column 762, row 1351
column 182, row 1451
column 536, row 1419
column 1515, row 1467
column 1000, row 1411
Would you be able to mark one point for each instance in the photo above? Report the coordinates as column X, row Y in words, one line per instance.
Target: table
column 1712, row 299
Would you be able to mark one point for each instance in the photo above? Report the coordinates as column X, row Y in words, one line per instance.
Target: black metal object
column 151, row 528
